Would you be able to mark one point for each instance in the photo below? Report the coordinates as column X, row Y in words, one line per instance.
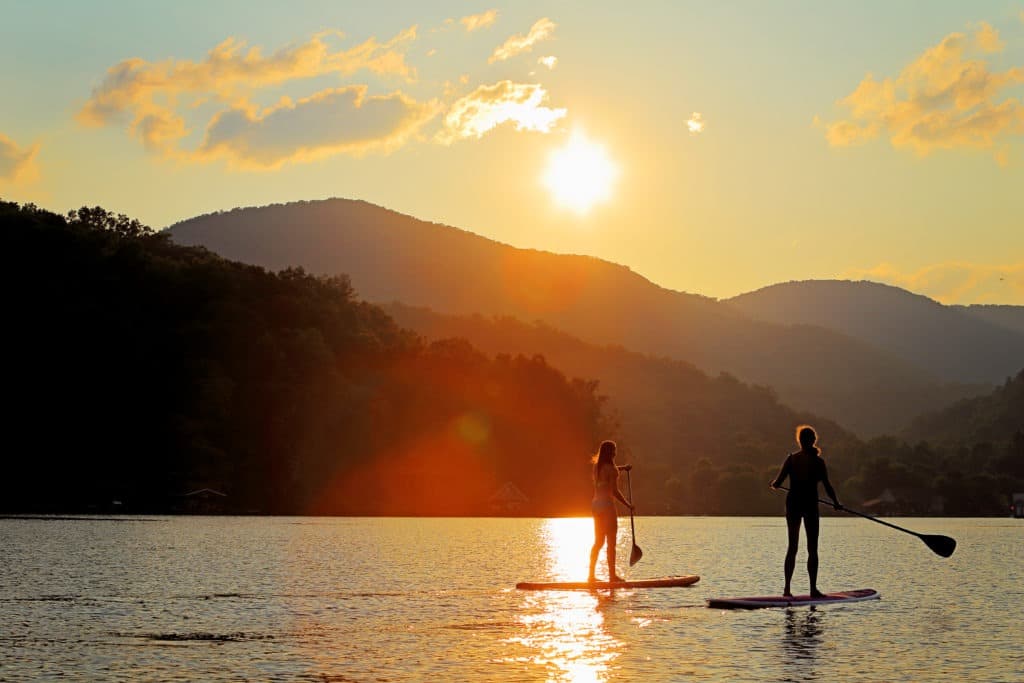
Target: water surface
column 385, row 599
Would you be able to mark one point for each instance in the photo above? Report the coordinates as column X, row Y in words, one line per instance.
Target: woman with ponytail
column 606, row 517
column 805, row 469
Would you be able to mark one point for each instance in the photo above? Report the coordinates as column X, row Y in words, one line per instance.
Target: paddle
column 940, row 545
column 635, row 554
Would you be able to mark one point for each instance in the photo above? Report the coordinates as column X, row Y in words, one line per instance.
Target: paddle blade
column 940, row 545
column 636, row 554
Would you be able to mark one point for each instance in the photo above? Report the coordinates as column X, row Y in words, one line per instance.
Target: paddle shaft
column 629, row 486
column 865, row 516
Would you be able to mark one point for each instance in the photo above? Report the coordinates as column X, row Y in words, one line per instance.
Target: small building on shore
column 507, row 499
column 203, row 502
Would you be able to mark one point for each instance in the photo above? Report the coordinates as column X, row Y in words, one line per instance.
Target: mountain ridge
column 393, row 257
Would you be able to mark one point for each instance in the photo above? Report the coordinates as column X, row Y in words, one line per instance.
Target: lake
column 399, row 599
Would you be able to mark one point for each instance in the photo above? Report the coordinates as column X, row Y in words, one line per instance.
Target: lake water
column 384, row 599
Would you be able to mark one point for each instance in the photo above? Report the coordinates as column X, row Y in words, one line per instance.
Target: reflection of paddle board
column 795, row 601
column 665, row 582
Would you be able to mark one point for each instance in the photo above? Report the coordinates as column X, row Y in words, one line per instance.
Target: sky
column 713, row 147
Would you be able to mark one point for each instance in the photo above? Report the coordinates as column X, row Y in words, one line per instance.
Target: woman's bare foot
column 616, row 579
column 815, row 593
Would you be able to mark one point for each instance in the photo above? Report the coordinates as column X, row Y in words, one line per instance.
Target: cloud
column 946, row 98
column 518, row 44
column 550, row 61
column 146, row 96
column 16, row 162
column 492, row 105
column 695, row 124
column 954, row 282
column 341, row 120
column 477, row 21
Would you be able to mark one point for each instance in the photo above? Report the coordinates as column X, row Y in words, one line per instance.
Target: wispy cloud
column 149, row 97
column 341, row 120
column 550, row 61
column 953, row 282
column 947, row 98
column 695, row 124
column 518, row 44
column 16, row 162
column 475, row 22
column 490, row 106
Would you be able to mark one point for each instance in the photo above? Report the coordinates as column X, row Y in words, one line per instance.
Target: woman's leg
column 595, row 549
column 612, row 532
column 793, row 529
column 811, row 524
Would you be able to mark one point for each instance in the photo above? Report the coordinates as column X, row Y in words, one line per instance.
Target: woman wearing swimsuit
column 805, row 469
column 606, row 517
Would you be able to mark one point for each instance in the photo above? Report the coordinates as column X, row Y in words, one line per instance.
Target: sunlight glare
column 580, row 174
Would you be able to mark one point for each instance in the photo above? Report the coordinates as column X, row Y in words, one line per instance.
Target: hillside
column 393, row 257
column 143, row 371
column 995, row 418
column 1010, row 317
column 675, row 422
column 962, row 344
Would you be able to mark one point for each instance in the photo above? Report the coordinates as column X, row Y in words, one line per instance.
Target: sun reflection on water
column 565, row 632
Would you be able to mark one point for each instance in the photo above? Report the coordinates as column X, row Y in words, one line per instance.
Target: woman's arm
column 783, row 473
column 828, row 487
column 615, row 488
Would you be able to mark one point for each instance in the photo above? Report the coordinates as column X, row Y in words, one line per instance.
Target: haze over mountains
column 961, row 343
column 848, row 373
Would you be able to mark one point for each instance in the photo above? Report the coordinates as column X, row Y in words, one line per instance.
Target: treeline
column 709, row 445
column 141, row 371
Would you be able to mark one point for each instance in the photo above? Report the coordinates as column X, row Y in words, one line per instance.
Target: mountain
column 963, row 344
column 1010, row 317
column 393, row 257
column 994, row 418
column 674, row 421
column 141, row 371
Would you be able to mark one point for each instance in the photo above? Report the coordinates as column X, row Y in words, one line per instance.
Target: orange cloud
column 954, row 282
column 16, row 162
column 478, row 21
column 146, row 96
column 341, row 120
column 518, row 44
column 492, row 105
column 550, row 61
column 946, row 98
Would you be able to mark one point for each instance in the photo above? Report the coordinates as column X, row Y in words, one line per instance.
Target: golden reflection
column 567, row 542
column 566, row 633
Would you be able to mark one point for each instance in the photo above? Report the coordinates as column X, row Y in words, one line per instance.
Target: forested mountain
column 392, row 257
column 956, row 343
column 701, row 444
column 1010, row 317
column 994, row 418
column 140, row 370
column 709, row 445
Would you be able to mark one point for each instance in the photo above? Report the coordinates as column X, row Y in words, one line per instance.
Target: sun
column 580, row 174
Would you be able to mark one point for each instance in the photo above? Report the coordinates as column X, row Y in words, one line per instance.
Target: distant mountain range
column 957, row 343
column 824, row 364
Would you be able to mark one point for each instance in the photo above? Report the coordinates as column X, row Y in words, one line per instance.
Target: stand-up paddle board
column 664, row 582
column 794, row 601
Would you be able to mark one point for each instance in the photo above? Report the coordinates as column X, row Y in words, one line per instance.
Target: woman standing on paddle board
column 805, row 469
column 606, row 517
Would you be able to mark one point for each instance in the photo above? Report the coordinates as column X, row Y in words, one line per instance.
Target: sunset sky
column 713, row 147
